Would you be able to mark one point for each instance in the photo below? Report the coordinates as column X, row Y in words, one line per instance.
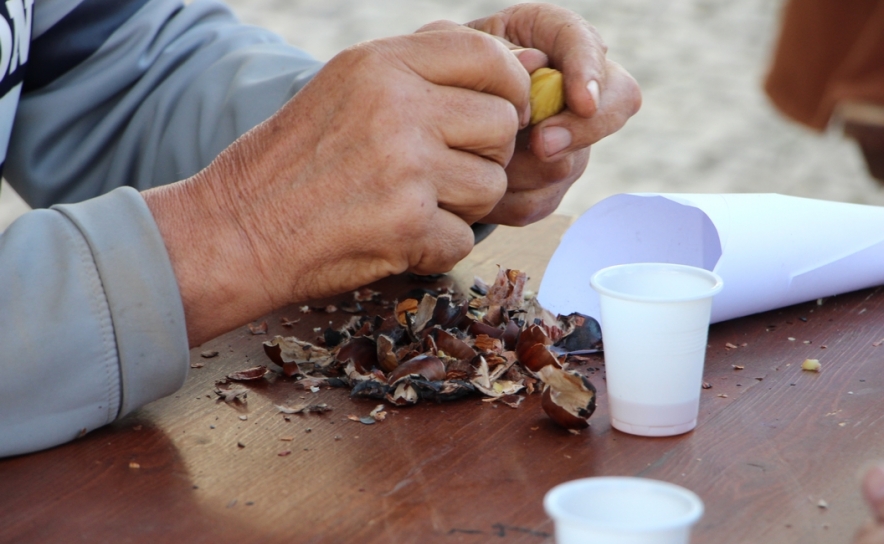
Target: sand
column 705, row 124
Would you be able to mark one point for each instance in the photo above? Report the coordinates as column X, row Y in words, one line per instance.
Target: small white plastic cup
column 622, row 510
column 655, row 322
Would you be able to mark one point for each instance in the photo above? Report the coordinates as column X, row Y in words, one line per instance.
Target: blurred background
column 705, row 125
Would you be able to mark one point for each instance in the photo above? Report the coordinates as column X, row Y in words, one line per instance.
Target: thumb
column 873, row 490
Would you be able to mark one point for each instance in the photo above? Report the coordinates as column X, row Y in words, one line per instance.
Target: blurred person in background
column 828, row 68
column 873, row 492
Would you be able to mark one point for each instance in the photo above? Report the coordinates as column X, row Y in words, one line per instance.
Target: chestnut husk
column 569, row 398
column 372, row 389
column 362, row 351
column 428, row 367
column 386, row 354
column 448, row 315
column 248, row 374
column 583, row 334
column 443, row 391
column 507, row 289
column 423, row 315
column 402, row 393
column 470, row 347
column 290, row 353
column 453, row 346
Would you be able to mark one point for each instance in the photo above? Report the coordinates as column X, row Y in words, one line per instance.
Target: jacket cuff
column 142, row 293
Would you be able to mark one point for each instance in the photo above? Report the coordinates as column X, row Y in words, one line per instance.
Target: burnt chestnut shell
column 569, row 398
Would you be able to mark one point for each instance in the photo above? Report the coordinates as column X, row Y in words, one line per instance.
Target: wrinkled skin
column 873, row 492
column 383, row 161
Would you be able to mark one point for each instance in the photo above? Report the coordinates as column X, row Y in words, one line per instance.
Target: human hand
column 600, row 97
column 873, row 492
column 378, row 166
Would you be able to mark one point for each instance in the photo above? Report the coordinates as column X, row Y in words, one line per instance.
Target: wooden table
column 775, row 457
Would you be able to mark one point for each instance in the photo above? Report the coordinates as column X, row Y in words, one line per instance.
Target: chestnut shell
column 569, row 399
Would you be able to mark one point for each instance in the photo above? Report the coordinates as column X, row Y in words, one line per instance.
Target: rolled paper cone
column 771, row 250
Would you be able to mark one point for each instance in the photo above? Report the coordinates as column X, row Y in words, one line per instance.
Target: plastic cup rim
column 693, row 515
column 714, row 289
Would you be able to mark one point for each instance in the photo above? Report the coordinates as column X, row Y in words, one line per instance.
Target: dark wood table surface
column 775, row 457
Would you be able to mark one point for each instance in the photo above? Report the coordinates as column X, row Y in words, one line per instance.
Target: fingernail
column 593, row 88
column 875, row 484
column 555, row 139
column 526, row 117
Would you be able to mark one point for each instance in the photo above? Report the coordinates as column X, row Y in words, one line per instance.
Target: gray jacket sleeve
column 157, row 100
column 92, row 325
column 91, row 321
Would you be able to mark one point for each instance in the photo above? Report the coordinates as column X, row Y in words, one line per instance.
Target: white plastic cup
column 655, row 322
column 621, row 510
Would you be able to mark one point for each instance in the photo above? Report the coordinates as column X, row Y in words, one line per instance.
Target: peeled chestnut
column 568, row 397
column 547, row 96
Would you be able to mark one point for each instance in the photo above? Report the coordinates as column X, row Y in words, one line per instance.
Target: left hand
column 599, row 94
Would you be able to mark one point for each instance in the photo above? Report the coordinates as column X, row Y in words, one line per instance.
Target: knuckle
column 359, row 56
column 493, row 187
column 506, row 124
column 415, row 160
column 595, row 35
column 558, row 171
column 440, row 24
column 443, row 251
column 483, row 44
column 485, row 190
column 460, row 247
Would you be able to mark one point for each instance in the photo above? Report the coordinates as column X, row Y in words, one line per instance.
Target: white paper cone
column 771, row 250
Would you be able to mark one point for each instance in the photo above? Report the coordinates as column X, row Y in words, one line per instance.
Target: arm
column 91, row 325
column 91, row 320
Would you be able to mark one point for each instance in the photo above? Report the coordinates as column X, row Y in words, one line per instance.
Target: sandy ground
column 705, row 125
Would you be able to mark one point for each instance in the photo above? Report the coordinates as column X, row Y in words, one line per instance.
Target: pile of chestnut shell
column 498, row 345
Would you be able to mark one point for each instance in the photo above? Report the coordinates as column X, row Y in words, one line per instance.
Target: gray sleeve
column 92, row 325
column 168, row 90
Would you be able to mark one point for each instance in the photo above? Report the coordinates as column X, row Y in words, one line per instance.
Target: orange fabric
column 828, row 51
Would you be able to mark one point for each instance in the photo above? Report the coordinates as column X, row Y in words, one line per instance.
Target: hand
column 378, row 166
column 873, row 492
column 600, row 97
column 538, row 180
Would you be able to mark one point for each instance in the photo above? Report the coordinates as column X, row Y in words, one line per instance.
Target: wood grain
column 772, row 442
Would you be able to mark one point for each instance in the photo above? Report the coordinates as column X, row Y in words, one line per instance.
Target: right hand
column 378, row 166
column 550, row 156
